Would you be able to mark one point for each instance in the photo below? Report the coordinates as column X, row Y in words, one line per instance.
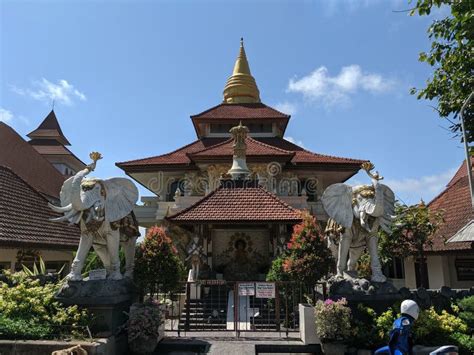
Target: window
column 220, row 128
column 260, row 128
column 394, row 269
column 464, row 269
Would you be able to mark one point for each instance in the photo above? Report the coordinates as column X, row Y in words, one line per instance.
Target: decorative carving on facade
column 195, row 256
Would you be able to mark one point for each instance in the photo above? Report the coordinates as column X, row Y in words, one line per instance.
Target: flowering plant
column 333, row 319
column 158, row 267
column 307, row 258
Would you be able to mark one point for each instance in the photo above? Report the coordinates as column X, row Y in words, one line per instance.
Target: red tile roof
column 455, row 202
column 241, row 112
column 461, row 172
column 255, row 148
column 24, row 215
column 27, row 163
column 273, row 147
column 232, row 204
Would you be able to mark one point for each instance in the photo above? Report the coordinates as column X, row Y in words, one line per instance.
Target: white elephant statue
column 104, row 211
column 356, row 214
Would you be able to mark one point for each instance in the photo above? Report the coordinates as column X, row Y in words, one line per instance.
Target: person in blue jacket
column 400, row 342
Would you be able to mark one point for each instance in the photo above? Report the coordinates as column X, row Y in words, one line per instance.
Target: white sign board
column 265, row 289
column 97, row 274
column 247, row 289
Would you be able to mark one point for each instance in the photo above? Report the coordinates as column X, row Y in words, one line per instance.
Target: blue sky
column 127, row 75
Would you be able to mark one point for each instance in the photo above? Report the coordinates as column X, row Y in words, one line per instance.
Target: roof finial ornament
column 239, row 169
column 241, row 86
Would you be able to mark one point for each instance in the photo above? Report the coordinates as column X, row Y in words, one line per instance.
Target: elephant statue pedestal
column 376, row 295
column 106, row 300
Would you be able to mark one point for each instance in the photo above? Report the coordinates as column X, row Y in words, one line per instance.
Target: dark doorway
column 421, row 274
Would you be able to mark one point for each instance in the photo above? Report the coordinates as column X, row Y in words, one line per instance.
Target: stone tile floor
column 223, row 343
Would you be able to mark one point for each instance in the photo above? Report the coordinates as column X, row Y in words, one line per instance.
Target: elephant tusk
column 60, row 209
column 59, row 219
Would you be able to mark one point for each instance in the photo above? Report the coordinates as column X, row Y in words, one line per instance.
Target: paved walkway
column 225, row 343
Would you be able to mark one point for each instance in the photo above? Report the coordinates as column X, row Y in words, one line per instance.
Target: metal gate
column 239, row 306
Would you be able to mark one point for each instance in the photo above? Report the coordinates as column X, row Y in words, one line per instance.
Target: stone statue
column 104, row 211
column 356, row 214
column 195, row 256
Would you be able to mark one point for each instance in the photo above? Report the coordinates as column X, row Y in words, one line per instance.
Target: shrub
column 307, row 259
column 466, row 306
column 29, row 310
column 158, row 267
column 364, row 328
column 432, row 328
column 332, row 320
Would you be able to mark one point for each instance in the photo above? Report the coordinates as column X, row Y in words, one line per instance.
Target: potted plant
column 145, row 327
column 333, row 325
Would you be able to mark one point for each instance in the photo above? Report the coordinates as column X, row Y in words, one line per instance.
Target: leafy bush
column 364, row 328
column 333, row 319
column 29, row 311
column 432, row 328
column 466, row 313
column 307, row 259
column 158, row 267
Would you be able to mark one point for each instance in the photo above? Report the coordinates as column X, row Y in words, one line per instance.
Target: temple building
column 234, row 192
column 450, row 259
column 49, row 141
column 31, row 175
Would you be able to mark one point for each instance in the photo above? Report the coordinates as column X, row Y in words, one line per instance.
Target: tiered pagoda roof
column 241, row 102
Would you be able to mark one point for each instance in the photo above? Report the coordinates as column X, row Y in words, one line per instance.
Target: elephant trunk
column 379, row 200
column 76, row 200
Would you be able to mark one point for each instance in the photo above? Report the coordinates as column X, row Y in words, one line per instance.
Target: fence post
column 236, row 309
column 277, row 306
column 188, row 306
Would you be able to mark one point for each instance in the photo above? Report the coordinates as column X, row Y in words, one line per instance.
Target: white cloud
column 44, row 90
column 286, row 107
column 294, row 141
column 411, row 190
column 5, row 115
column 319, row 86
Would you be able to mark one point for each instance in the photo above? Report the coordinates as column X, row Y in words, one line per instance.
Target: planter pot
column 334, row 348
column 145, row 344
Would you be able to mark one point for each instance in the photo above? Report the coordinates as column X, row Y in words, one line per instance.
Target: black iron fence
column 239, row 306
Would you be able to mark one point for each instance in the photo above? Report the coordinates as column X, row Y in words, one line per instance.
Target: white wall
column 10, row 255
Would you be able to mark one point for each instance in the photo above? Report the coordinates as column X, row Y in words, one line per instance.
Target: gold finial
column 95, row 156
column 241, row 86
column 368, row 167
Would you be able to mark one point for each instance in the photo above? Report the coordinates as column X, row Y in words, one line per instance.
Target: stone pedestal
column 308, row 324
column 376, row 295
column 107, row 300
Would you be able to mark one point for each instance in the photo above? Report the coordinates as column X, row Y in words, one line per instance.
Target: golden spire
column 241, row 86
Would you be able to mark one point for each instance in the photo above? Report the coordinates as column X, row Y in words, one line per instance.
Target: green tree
column 158, row 267
column 452, row 57
column 307, row 259
column 411, row 234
